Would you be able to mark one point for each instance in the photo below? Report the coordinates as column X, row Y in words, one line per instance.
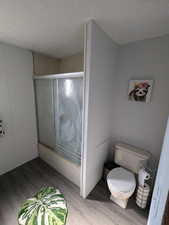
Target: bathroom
column 116, row 122
column 84, row 109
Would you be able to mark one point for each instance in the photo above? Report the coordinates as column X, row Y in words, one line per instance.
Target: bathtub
column 65, row 167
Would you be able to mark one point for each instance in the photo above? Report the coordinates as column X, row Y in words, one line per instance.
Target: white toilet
column 121, row 180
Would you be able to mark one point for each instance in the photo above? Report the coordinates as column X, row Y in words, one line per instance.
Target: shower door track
column 60, row 75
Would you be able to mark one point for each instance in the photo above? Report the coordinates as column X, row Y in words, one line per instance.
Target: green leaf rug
column 47, row 207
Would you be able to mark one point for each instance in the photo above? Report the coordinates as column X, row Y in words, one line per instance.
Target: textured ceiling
column 55, row 27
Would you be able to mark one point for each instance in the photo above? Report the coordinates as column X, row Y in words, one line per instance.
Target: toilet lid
column 121, row 180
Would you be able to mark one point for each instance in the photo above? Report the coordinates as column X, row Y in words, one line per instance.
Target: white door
column 161, row 185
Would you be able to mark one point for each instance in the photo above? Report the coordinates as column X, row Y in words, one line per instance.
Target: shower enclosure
column 59, row 104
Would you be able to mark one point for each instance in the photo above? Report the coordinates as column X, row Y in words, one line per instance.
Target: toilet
column 121, row 180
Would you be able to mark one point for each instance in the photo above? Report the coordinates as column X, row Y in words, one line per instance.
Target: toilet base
column 121, row 202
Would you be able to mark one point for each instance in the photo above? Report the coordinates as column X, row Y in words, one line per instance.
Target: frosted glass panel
column 68, row 112
column 45, row 112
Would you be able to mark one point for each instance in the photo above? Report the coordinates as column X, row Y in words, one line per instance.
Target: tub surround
column 65, row 167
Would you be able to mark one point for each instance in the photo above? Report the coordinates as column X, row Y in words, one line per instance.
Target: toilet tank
column 130, row 157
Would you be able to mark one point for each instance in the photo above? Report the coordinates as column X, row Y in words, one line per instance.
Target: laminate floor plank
column 23, row 182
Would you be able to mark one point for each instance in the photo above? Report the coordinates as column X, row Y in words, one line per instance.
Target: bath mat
column 47, row 207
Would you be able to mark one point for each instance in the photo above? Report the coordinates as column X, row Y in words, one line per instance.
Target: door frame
column 161, row 187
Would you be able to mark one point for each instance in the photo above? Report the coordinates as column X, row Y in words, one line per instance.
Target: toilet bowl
column 121, row 180
column 122, row 184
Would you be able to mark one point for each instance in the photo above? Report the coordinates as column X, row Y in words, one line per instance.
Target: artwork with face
column 140, row 90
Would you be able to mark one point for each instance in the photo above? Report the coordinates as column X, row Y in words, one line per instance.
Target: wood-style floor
column 25, row 181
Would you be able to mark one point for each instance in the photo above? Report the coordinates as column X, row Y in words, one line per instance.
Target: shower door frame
column 57, row 117
column 80, row 74
column 60, row 75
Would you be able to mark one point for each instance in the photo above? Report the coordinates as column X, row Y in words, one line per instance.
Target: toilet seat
column 121, row 180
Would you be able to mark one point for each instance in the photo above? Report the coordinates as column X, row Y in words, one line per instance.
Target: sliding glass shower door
column 59, row 115
column 68, row 117
column 45, row 111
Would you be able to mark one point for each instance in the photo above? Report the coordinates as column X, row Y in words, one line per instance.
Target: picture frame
column 140, row 90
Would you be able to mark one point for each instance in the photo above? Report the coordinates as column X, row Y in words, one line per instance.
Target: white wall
column 16, row 108
column 142, row 124
column 43, row 65
column 72, row 63
column 100, row 54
